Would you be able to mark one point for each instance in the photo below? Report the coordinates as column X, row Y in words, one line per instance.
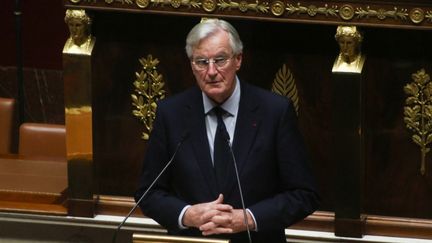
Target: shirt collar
column 230, row 105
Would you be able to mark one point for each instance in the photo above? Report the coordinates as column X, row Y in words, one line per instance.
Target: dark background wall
column 43, row 35
column 393, row 183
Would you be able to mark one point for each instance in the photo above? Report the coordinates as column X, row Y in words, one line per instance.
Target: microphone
column 183, row 137
column 227, row 138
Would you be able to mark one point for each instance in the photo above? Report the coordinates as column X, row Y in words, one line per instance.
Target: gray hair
column 209, row 27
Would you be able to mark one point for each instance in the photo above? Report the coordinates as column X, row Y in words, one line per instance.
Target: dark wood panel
column 309, row 52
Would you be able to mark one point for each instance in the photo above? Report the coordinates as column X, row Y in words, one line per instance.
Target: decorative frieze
column 331, row 11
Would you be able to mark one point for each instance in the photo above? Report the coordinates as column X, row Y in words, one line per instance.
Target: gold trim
column 78, row 110
column 142, row 3
column 417, row 15
column 381, row 13
column 209, row 5
column 277, row 8
column 284, row 84
column 429, row 15
column 346, row 12
column 418, row 113
column 312, row 10
column 176, row 3
column 149, row 88
column 244, row 6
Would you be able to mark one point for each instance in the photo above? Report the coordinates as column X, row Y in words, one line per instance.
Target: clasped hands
column 216, row 218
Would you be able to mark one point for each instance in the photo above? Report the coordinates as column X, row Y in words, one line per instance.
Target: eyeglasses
column 204, row 63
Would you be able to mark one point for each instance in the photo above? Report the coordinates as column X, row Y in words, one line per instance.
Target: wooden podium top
column 149, row 238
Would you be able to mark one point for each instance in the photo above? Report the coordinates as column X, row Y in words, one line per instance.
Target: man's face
column 348, row 48
column 216, row 80
column 77, row 31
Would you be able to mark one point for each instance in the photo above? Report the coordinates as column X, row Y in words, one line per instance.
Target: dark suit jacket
column 277, row 185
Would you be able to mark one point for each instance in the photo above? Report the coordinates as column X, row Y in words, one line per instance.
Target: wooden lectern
column 149, row 238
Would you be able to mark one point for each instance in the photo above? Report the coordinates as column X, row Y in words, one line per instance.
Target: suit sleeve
column 297, row 197
column 159, row 204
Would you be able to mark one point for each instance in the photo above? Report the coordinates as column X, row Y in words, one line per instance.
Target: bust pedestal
column 77, row 76
column 348, row 148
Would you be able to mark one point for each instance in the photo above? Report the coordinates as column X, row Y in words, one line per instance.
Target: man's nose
column 212, row 69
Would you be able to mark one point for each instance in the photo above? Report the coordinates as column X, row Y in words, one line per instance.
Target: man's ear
column 238, row 59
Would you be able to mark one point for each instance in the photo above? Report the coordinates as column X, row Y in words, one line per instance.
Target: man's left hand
column 232, row 222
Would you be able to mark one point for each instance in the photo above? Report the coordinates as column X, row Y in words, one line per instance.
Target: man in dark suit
column 192, row 197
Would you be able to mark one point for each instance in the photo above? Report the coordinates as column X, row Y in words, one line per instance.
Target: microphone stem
column 145, row 193
column 246, row 222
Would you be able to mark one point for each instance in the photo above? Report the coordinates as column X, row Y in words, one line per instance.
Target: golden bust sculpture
column 80, row 40
column 350, row 58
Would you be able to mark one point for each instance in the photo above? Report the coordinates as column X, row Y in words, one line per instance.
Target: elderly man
column 199, row 194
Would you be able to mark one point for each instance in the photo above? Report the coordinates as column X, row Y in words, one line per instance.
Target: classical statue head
column 79, row 24
column 349, row 40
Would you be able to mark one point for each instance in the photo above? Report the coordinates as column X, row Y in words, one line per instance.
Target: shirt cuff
column 253, row 217
column 180, row 218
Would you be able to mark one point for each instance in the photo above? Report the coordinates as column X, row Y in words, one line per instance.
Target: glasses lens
column 203, row 63
column 220, row 61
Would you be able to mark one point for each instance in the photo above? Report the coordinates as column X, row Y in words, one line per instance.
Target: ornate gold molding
column 284, row 84
column 382, row 13
column 312, row 10
column 418, row 113
column 149, row 88
column 243, row 6
column 330, row 10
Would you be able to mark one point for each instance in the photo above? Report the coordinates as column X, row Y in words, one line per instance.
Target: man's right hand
column 202, row 213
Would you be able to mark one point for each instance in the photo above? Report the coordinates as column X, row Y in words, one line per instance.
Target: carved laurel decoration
column 244, row 6
column 120, row 1
column 418, row 113
column 312, row 10
column 429, row 15
column 382, row 13
column 279, row 8
column 177, row 3
column 149, row 88
column 284, row 84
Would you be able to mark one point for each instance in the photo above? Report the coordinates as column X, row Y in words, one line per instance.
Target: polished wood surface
column 32, row 186
column 18, row 174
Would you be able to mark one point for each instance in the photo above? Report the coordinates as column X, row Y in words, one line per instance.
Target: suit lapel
column 245, row 132
column 195, row 118
column 246, row 129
